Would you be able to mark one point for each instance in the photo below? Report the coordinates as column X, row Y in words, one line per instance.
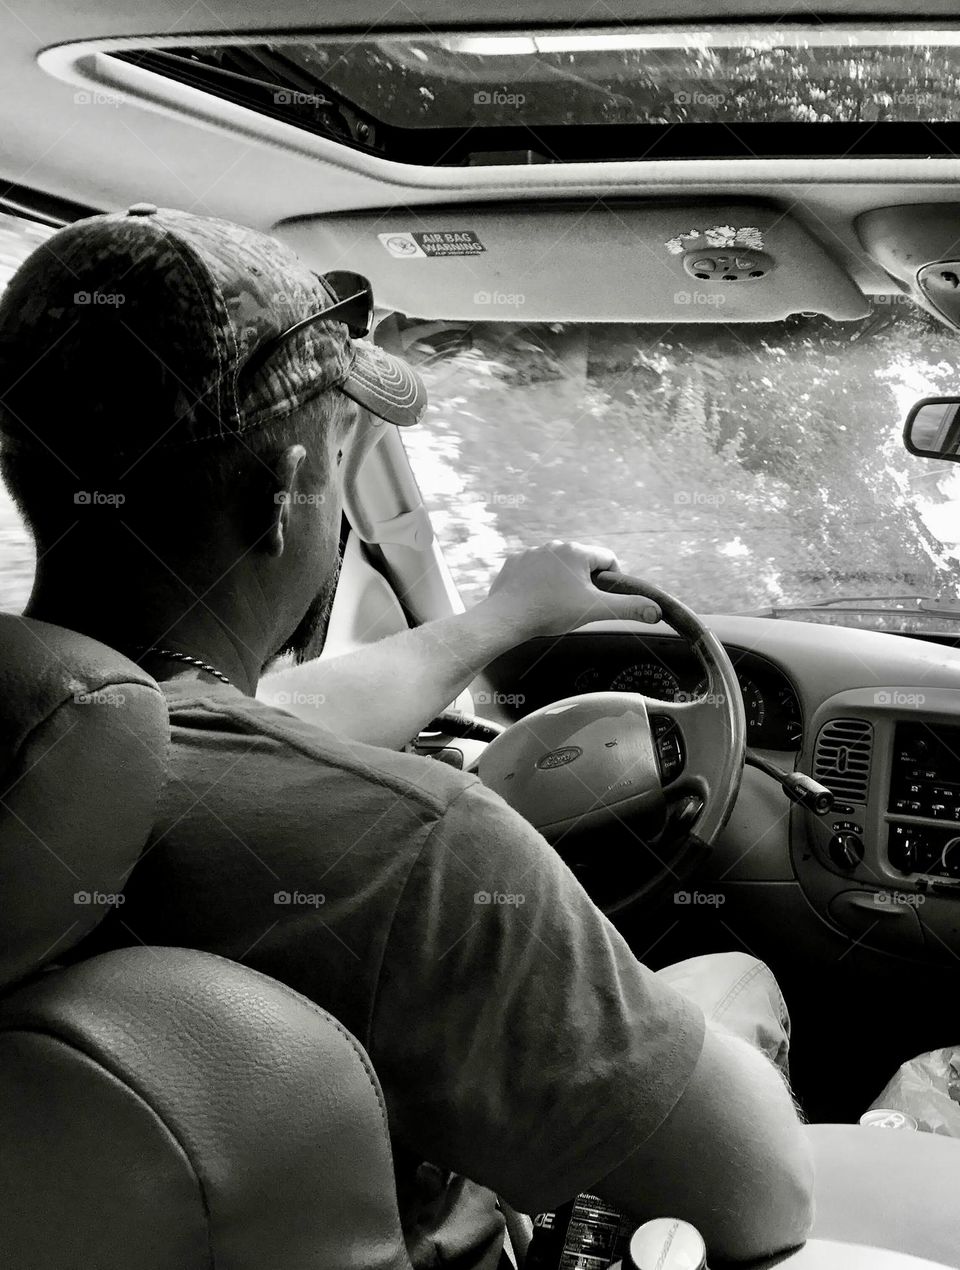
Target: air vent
column 842, row 758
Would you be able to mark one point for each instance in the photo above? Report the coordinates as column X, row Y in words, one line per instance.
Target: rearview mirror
column 932, row 429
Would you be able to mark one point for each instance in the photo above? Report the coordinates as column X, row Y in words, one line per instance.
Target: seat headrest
column 83, row 737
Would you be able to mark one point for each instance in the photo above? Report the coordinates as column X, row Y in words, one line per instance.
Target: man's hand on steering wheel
column 667, row 772
column 549, row 590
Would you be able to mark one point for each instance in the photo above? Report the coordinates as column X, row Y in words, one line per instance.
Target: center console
column 884, row 865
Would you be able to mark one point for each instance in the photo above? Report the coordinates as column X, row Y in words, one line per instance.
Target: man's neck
column 201, row 632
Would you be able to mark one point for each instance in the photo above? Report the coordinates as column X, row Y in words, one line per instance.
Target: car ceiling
column 108, row 155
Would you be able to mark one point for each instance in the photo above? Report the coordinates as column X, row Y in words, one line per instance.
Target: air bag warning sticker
column 433, row 242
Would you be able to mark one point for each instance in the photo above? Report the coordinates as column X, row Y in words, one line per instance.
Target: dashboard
column 667, row 670
column 873, row 716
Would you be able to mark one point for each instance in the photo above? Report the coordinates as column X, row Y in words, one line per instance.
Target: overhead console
column 919, row 245
column 885, row 865
column 581, row 261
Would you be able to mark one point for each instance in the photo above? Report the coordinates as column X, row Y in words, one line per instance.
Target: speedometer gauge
column 649, row 678
column 754, row 706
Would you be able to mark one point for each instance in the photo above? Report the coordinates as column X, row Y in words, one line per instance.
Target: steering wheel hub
column 575, row 762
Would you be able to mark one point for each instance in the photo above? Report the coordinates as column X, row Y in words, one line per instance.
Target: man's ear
column 284, row 486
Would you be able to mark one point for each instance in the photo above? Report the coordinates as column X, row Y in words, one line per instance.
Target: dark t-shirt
column 518, row 1041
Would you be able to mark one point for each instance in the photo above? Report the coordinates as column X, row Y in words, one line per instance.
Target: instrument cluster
column 667, row 670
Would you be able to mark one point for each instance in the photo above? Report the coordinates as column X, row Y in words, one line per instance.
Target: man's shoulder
column 207, row 723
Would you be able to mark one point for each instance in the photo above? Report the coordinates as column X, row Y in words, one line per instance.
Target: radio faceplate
column 925, row 772
column 925, row 783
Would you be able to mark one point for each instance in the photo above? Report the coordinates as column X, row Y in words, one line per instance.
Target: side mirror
column 932, row 430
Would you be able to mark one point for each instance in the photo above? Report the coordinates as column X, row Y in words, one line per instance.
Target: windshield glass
column 745, row 468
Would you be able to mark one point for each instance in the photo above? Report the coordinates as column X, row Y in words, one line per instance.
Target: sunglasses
column 354, row 310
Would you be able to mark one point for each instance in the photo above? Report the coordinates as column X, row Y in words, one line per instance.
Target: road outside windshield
column 745, row 468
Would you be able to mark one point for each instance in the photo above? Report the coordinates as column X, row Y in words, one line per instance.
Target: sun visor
column 919, row 245
column 716, row 262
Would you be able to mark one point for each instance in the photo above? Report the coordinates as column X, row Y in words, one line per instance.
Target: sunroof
column 655, row 92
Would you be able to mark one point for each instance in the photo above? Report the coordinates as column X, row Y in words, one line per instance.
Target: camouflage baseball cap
column 128, row 332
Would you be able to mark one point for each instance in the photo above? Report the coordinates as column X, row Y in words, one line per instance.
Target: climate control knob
column 950, row 859
column 846, row 850
column 904, row 853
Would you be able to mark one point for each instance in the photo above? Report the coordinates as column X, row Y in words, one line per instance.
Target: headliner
column 107, row 156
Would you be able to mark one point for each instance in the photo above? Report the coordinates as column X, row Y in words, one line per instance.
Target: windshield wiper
column 903, row 605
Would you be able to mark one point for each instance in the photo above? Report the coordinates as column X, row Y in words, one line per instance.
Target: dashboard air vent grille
column 842, row 758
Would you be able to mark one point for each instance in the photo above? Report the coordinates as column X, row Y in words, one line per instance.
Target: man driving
column 179, row 398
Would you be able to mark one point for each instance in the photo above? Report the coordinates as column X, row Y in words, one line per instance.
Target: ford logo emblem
column 559, row 758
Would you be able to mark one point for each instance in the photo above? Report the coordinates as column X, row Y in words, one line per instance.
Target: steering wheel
column 659, row 778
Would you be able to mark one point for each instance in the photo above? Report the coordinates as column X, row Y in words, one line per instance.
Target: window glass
column 746, row 468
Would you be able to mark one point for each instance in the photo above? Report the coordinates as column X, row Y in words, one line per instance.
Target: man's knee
column 740, row 993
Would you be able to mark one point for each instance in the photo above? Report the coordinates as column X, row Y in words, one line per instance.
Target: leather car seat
column 160, row 1108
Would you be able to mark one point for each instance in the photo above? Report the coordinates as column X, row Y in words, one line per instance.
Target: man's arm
column 731, row 1157
column 384, row 693
column 558, row 1063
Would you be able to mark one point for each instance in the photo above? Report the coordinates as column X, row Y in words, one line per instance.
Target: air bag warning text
column 433, row 242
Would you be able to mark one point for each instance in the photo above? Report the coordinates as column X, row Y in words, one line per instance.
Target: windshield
column 746, row 468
